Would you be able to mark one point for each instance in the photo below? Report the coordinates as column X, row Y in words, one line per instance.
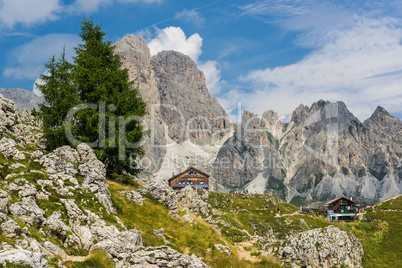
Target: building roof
column 336, row 199
column 187, row 170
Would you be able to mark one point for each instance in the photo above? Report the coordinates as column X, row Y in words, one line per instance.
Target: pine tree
column 96, row 78
column 59, row 96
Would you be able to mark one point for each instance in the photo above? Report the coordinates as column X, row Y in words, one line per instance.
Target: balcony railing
column 343, row 211
column 184, row 185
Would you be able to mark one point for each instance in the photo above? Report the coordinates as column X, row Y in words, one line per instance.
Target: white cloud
column 212, row 76
column 87, row 6
column 173, row 38
column 359, row 65
column 36, row 90
column 29, row 59
column 191, row 16
column 13, row 12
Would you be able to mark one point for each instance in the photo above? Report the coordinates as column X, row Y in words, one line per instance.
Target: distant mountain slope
column 322, row 153
column 24, row 99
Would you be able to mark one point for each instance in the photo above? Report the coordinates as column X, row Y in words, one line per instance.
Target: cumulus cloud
column 212, row 76
column 173, row 38
column 13, row 12
column 190, row 16
column 359, row 65
column 29, row 59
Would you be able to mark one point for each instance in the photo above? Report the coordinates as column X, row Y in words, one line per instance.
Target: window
column 202, row 183
column 191, row 182
column 179, row 182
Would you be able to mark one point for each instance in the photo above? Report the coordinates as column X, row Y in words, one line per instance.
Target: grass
column 198, row 239
column 98, row 259
column 381, row 240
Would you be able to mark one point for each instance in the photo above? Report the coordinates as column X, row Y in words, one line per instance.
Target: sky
column 257, row 55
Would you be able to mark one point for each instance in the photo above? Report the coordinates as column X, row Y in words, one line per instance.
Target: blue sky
column 266, row 54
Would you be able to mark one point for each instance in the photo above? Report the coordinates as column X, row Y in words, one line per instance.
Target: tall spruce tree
column 96, row 78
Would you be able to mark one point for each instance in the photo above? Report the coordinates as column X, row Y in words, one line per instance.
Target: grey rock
column 222, row 248
column 159, row 233
column 73, row 211
column 56, row 225
column 133, row 196
column 122, row 245
column 28, row 211
column 188, row 218
column 195, row 198
column 23, row 257
column 161, row 192
column 8, row 147
column 164, row 257
column 4, row 198
column 49, row 250
column 10, row 229
column 326, row 247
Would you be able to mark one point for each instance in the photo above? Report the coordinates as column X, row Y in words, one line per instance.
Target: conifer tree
column 95, row 78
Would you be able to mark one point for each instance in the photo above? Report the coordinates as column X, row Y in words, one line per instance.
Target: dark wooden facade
column 190, row 176
column 341, row 208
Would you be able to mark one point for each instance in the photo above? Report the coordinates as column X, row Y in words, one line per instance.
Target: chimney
column 351, row 198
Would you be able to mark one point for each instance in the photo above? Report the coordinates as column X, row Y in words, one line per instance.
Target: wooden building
column 341, row 209
column 190, row 176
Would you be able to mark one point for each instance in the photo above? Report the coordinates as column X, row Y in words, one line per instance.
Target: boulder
column 133, row 196
column 161, row 192
column 164, row 257
column 56, row 225
column 28, row 211
column 159, row 233
column 23, row 257
column 122, row 245
column 10, row 229
column 195, row 198
column 4, row 198
column 224, row 249
column 8, row 147
column 326, row 247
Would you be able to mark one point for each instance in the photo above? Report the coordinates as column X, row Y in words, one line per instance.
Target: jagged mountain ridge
column 323, row 152
column 369, row 151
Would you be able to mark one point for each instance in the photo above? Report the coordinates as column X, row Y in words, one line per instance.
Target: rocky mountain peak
column 188, row 109
column 299, row 114
column 24, row 99
column 382, row 119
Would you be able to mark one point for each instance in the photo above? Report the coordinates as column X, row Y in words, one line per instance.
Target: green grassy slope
column 381, row 240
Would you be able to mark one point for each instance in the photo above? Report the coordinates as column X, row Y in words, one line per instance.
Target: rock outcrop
column 195, row 198
column 23, row 258
column 66, row 163
column 161, row 192
column 164, row 257
column 328, row 247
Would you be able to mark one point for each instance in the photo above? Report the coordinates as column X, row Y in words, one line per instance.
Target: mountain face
column 322, row 153
column 187, row 123
column 22, row 98
column 188, row 108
